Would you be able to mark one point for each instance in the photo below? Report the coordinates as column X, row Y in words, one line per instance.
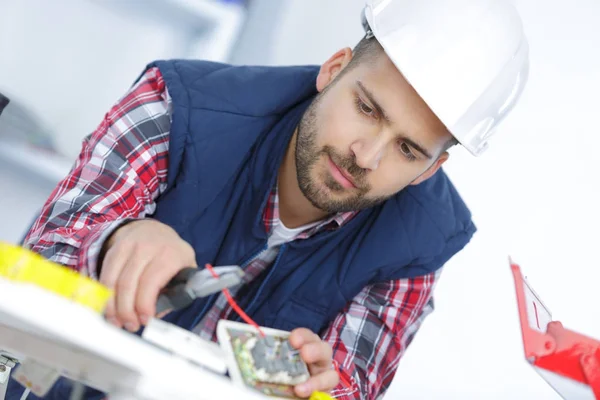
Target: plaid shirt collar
column 271, row 216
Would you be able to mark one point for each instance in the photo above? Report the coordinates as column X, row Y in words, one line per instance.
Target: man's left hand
column 318, row 356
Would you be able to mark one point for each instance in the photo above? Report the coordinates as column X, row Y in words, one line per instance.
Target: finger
column 300, row 336
column 115, row 260
column 323, row 382
column 318, row 353
column 127, row 287
column 111, row 311
column 153, row 279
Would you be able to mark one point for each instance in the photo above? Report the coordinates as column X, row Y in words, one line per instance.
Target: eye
column 364, row 108
column 406, row 151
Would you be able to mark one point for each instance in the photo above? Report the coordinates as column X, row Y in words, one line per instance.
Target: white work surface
column 63, row 334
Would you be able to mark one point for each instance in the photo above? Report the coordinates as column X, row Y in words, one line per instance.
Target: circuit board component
column 269, row 364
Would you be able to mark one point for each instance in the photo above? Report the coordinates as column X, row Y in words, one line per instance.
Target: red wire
column 234, row 305
column 342, row 377
column 249, row 320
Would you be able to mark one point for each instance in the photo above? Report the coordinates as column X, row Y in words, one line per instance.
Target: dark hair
column 367, row 50
column 450, row 143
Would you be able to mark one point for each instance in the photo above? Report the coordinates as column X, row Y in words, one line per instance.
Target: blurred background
column 534, row 195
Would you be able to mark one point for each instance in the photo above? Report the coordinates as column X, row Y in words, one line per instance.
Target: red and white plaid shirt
column 121, row 172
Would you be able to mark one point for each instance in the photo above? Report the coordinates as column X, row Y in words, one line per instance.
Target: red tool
column 567, row 360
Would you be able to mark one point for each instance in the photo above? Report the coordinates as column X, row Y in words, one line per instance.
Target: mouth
column 340, row 175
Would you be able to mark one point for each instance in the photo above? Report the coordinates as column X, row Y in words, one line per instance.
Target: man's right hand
column 141, row 258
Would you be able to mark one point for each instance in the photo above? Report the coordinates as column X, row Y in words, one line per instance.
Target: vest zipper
column 213, row 297
column 265, row 281
column 258, row 253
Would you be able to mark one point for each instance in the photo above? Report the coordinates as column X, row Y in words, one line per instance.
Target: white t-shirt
column 282, row 234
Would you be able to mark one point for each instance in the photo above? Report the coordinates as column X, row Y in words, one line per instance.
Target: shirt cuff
column 92, row 245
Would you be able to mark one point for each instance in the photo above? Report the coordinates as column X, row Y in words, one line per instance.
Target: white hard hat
column 467, row 59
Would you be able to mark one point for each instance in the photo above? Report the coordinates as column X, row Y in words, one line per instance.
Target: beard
column 308, row 154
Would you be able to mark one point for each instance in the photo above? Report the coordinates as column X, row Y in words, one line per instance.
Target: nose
column 368, row 152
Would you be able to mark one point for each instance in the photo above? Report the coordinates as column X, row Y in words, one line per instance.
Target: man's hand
column 141, row 258
column 318, row 356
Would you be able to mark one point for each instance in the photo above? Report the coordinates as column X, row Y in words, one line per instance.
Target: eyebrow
column 372, row 100
column 382, row 112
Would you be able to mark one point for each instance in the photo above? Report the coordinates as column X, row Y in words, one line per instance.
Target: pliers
column 191, row 283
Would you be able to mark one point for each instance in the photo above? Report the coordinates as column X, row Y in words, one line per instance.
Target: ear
column 332, row 67
column 432, row 169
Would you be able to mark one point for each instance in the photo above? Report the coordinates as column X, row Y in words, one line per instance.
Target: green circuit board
column 270, row 364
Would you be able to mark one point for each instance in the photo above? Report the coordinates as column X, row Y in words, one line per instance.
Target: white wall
column 534, row 196
column 21, row 196
column 70, row 60
column 312, row 30
column 52, row 57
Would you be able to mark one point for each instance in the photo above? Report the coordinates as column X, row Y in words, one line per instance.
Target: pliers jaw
column 191, row 283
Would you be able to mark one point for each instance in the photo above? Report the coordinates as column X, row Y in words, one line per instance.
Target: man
column 324, row 184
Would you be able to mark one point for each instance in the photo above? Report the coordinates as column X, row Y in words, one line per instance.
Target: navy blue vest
column 230, row 129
